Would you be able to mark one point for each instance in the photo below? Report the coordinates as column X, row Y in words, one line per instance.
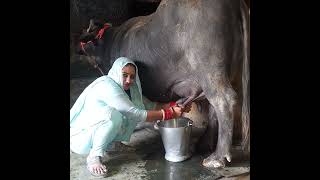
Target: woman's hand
column 177, row 111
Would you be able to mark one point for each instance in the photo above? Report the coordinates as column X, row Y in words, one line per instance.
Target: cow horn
column 90, row 25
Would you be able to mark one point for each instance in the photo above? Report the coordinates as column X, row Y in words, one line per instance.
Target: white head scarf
column 115, row 73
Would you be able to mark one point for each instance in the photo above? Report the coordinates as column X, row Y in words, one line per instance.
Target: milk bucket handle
column 156, row 127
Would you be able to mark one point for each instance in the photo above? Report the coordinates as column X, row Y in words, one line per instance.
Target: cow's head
column 91, row 43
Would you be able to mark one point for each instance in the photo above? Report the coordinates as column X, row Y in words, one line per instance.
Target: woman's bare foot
column 95, row 166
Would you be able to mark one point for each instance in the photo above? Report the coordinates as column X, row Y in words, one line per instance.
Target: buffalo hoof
column 214, row 161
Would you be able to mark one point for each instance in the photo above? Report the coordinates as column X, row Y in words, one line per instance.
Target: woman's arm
column 164, row 114
column 115, row 97
column 153, row 115
column 154, row 109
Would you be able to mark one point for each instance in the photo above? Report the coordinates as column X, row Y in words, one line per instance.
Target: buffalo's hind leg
column 222, row 99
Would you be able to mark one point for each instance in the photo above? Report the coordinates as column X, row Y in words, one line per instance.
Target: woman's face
column 128, row 76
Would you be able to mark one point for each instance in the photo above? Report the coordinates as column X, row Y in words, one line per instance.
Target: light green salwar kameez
column 103, row 113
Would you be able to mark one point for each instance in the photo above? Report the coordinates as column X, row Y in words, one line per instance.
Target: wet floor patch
column 159, row 168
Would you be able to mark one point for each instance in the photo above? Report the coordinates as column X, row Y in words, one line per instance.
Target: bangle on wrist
column 163, row 114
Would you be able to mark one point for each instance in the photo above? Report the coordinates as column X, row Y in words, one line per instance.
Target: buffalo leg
column 223, row 103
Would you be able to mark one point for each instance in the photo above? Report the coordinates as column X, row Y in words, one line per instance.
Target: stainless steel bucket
column 176, row 135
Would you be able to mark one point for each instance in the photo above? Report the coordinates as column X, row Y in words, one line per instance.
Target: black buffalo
column 194, row 50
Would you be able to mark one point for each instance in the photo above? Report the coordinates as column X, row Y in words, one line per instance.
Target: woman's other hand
column 177, row 111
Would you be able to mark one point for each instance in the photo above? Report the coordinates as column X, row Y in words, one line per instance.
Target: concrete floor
column 147, row 162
